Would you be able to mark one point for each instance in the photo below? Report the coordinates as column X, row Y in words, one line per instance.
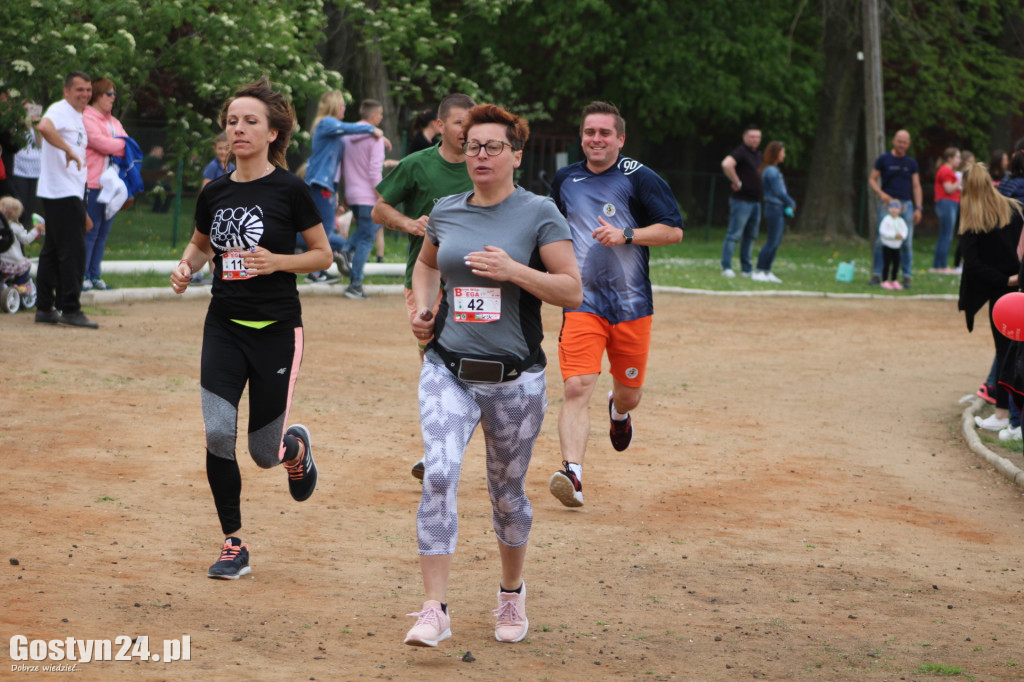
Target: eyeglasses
column 493, row 147
column 110, row 93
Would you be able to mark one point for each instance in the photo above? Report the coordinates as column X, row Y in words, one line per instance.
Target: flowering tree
column 173, row 59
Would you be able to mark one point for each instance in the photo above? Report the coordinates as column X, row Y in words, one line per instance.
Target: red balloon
column 1008, row 314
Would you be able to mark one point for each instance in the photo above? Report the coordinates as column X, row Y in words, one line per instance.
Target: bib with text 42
column 234, row 267
column 477, row 304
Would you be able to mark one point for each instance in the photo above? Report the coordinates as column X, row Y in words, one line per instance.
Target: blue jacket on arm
column 129, row 166
column 322, row 167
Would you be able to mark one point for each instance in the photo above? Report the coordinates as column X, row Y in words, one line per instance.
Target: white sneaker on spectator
column 1010, row 433
column 769, row 277
column 759, row 276
column 728, row 272
column 746, row 274
column 992, row 423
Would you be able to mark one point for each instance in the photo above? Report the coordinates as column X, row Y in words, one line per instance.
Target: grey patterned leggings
column 511, row 414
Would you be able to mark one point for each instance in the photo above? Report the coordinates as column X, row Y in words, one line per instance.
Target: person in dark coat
column 990, row 230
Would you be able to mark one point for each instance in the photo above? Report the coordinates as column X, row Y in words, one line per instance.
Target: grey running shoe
column 76, row 319
column 355, row 291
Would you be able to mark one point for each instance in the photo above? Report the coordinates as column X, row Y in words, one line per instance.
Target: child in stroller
column 17, row 290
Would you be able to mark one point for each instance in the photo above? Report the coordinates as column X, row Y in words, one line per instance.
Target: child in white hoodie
column 13, row 263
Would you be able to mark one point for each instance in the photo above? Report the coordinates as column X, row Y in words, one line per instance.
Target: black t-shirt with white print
column 238, row 216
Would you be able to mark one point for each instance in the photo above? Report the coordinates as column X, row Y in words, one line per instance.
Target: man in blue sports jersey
column 616, row 208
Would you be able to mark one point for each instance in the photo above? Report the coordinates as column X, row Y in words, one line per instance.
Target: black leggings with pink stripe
column 268, row 360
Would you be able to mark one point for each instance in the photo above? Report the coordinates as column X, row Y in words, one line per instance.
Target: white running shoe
column 770, row 277
column 759, row 276
column 728, row 273
column 1010, row 433
column 992, row 423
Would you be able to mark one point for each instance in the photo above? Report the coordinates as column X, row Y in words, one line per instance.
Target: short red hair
column 516, row 128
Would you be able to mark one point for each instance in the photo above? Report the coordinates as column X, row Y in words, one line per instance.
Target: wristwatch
column 628, row 234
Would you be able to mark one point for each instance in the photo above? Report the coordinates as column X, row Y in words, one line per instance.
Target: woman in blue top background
column 777, row 205
column 323, row 170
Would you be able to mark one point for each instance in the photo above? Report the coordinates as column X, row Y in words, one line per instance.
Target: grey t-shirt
column 520, row 225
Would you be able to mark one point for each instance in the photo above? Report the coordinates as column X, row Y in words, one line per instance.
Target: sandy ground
column 797, row 504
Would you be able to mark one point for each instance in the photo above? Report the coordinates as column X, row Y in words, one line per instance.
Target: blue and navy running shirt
column 616, row 280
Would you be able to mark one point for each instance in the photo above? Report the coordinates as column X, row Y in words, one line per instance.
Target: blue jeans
column 361, row 241
column 326, row 207
column 744, row 219
column 96, row 238
column 947, row 210
column 906, row 249
column 775, row 221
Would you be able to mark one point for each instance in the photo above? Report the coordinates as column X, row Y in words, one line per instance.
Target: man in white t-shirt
column 61, row 188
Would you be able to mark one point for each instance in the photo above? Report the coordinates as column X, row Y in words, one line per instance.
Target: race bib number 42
column 234, row 268
column 477, row 304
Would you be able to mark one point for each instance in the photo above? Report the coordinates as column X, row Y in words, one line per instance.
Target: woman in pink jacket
column 105, row 140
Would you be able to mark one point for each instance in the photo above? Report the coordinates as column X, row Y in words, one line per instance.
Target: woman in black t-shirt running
column 246, row 222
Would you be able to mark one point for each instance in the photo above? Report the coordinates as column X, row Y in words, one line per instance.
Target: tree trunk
column 362, row 68
column 830, row 203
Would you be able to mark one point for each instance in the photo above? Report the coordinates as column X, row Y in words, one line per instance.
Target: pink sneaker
column 896, row 286
column 512, row 624
column 433, row 625
column 887, row 285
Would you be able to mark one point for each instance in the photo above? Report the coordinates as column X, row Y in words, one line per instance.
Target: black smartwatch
column 628, row 234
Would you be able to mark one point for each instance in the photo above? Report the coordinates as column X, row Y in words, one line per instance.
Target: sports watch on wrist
column 628, row 234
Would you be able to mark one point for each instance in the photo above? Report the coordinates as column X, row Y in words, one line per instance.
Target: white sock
column 576, row 469
column 616, row 416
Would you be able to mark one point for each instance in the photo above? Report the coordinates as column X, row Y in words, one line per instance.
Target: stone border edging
column 803, row 294
column 114, row 296
column 1004, row 466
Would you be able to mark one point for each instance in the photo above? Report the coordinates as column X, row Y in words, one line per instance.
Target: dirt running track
column 797, row 504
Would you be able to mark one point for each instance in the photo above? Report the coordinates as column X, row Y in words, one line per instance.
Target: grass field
column 804, row 264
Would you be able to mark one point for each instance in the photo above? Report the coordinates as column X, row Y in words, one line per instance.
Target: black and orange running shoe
column 233, row 562
column 302, row 474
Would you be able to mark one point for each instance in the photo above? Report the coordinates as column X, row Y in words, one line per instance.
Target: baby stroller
column 13, row 296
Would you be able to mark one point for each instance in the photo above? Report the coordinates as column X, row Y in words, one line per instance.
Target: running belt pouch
column 481, row 371
column 486, row 370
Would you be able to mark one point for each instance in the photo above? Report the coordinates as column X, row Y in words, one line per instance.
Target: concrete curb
column 1004, row 466
column 164, row 267
column 761, row 293
column 94, row 297
column 115, row 296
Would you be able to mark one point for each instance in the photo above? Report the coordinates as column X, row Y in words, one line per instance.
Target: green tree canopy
column 175, row 59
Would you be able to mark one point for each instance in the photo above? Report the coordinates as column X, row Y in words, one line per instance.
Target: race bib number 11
column 234, row 268
column 477, row 304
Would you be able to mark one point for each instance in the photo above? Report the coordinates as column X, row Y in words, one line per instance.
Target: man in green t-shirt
column 417, row 183
column 424, row 177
